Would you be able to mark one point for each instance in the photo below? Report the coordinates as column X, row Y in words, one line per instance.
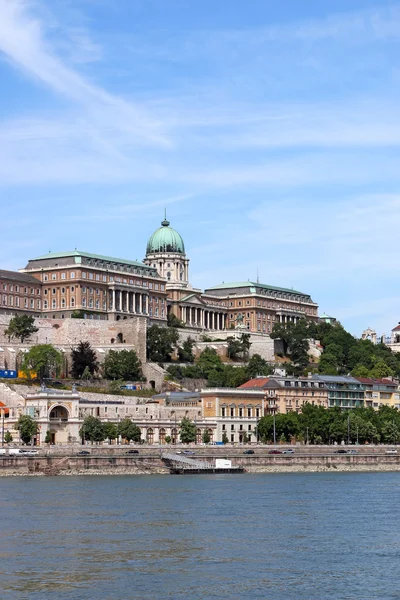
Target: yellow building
column 235, row 412
column 380, row 392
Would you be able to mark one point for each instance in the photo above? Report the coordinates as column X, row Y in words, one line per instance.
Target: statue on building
column 239, row 322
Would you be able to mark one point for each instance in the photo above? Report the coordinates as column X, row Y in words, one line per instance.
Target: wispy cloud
column 23, row 41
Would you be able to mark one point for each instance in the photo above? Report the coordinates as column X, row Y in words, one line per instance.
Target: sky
column 269, row 131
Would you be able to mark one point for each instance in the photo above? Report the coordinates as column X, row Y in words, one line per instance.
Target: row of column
column 129, row 302
column 287, row 318
column 198, row 317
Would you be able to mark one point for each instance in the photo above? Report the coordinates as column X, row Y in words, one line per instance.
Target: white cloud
column 23, row 41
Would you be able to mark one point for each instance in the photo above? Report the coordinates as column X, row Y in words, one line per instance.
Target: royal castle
column 59, row 285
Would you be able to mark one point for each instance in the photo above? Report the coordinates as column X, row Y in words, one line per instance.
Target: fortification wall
column 64, row 334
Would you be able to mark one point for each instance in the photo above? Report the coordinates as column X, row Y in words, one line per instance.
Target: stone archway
column 58, row 424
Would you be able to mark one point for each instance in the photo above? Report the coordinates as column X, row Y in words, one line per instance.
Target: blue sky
column 269, row 130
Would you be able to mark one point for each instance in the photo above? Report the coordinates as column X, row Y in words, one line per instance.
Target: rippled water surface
column 278, row 537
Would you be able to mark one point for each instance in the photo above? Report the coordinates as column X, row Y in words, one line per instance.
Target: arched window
column 169, row 276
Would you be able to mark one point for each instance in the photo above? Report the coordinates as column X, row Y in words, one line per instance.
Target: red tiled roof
column 369, row 381
column 397, row 328
column 258, row 382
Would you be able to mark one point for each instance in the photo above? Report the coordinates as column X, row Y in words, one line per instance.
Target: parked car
column 29, row 452
column 341, row 451
column 83, row 453
column 132, row 452
column 288, row 451
column 352, row 451
column 391, row 451
column 187, row 452
column 249, row 452
column 274, row 451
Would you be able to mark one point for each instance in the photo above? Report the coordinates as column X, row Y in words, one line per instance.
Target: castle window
column 169, row 276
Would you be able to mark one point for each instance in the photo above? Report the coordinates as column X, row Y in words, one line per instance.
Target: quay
column 153, row 460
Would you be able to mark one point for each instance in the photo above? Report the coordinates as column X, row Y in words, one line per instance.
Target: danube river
column 278, row 537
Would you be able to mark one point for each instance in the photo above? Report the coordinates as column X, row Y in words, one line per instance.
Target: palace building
column 82, row 284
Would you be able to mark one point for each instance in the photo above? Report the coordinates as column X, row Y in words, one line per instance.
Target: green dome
column 165, row 239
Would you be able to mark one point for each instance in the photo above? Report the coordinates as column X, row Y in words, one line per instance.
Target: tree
column 328, row 364
column 173, row 321
column 360, row 371
column 8, row 438
column 206, row 437
column 283, row 332
column 86, row 375
column 44, row 359
column 258, row 366
column 129, row 431
column 84, row 357
column 208, row 361
column 161, row 342
column 238, row 347
column 225, row 439
column 123, row 364
column 110, row 431
column 234, row 349
column 185, row 352
column 47, row 439
column 187, row 431
column 27, row 427
column 92, row 429
column 381, row 370
column 21, row 327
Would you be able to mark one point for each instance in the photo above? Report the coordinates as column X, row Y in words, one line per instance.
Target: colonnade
column 288, row 318
column 205, row 319
column 129, row 302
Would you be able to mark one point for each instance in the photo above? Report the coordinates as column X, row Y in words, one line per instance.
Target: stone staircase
column 185, row 462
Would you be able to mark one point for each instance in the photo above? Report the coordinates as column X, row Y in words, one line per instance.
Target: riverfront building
column 343, row 391
column 59, row 285
column 380, row 392
column 289, row 394
column 235, row 412
column 61, row 413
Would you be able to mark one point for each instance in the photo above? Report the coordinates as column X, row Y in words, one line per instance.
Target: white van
column 15, row 451
column 2, row 450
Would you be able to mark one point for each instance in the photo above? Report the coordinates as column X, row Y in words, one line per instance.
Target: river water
column 274, row 536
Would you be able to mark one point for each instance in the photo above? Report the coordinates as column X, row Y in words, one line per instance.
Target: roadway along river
column 278, row 537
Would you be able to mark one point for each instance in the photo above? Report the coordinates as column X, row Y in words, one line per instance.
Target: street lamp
column 307, row 437
column 274, row 429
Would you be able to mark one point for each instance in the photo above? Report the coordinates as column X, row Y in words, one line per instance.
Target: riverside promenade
column 109, row 460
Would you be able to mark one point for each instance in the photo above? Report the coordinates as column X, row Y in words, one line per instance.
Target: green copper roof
column 252, row 284
column 78, row 254
column 165, row 239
